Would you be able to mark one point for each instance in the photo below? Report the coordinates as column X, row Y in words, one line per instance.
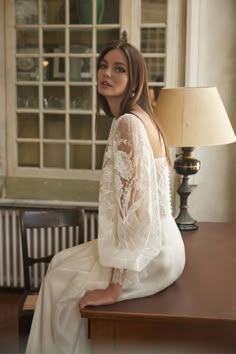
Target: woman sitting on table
column 139, row 250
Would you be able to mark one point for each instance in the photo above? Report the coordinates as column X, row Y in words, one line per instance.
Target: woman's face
column 113, row 75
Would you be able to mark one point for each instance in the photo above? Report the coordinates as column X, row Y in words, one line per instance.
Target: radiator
column 11, row 264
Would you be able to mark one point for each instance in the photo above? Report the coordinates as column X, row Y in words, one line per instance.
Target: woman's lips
column 105, row 83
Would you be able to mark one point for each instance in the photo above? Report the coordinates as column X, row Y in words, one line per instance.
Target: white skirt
column 57, row 325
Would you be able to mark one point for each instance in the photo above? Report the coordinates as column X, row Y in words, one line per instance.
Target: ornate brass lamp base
column 186, row 165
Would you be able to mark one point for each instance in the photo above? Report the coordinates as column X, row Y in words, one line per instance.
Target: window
column 57, row 43
column 153, row 42
column 54, row 141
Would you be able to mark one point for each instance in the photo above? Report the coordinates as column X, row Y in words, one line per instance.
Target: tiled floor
column 9, row 302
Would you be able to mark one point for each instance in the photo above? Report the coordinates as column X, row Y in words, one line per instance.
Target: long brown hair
column 137, row 92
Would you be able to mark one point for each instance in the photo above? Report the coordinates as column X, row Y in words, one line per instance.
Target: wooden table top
column 205, row 290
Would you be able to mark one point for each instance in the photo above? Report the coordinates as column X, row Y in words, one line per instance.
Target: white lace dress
column 136, row 233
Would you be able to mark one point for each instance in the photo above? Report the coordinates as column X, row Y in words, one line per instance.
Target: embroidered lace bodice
column 134, row 197
column 163, row 183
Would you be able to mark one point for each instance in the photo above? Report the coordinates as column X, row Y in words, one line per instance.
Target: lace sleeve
column 117, row 276
column 132, row 236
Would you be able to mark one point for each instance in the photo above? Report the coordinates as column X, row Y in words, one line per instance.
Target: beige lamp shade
column 193, row 116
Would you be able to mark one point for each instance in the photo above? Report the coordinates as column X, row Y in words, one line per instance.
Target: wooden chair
column 44, row 232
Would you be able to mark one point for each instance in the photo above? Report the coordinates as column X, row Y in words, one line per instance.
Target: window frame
column 14, row 175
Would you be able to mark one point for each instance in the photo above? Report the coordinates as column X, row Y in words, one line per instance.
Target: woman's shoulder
column 129, row 121
column 129, row 116
column 151, row 130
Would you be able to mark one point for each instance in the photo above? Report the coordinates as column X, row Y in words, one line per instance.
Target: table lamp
column 191, row 117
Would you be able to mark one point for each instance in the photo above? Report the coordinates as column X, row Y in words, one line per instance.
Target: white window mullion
column 130, row 20
column 2, row 93
column 94, row 12
column 175, row 43
column 67, row 87
column 94, row 90
column 11, row 96
column 40, row 86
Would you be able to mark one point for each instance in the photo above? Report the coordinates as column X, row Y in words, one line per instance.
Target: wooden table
column 196, row 314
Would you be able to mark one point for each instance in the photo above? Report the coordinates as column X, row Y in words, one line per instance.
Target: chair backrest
column 44, row 232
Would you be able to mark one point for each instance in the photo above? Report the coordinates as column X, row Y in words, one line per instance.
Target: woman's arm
column 105, row 296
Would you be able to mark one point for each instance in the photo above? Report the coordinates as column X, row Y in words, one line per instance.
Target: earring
column 133, row 94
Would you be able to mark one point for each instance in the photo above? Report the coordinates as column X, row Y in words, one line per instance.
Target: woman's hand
column 101, row 296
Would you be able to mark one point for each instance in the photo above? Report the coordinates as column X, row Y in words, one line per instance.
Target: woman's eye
column 120, row 70
column 102, row 66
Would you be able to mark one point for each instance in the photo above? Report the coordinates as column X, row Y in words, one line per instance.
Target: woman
column 139, row 250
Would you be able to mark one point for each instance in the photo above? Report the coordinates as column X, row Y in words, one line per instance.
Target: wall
column 2, row 101
column 211, row 61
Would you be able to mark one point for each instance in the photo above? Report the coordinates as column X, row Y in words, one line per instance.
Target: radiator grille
column 11, row 265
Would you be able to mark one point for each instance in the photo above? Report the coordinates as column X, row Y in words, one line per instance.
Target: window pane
column 74, row 19
column 28, row 155
column 84, row 11
column 27, row 125
column 153, row 11
column 86, row 72
column 48, row 66
column 80, row 69
column 54, row 41
column 81, row 11
column 81, row 127
column 27, row 97
column 53, row 69
column 27, row 69
column 99, row 10
column 54, row 126
column 81, row 97
column 100, row 149
column 105, row 36
column 103, row 125
column 26, row 12
column 80, row 156
column 54, row 11
column 54, row 97
column 111, row 12
column 81, row 41
column 153, row 40
column 54, row 155
column 155, row 68
column 27, row 38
